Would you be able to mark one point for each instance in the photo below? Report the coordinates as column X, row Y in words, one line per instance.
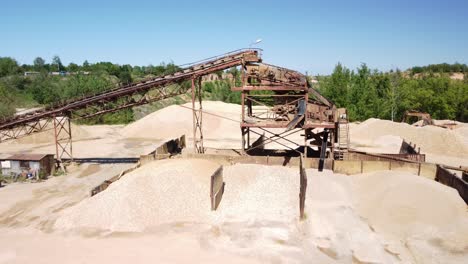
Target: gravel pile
column 425, row 217
column 430, row 139
column 253, row 192
column 177, row 120
column 167, row 191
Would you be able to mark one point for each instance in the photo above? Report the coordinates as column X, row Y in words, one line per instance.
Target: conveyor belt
column 109, row 101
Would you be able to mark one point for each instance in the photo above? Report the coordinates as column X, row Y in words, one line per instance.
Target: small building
column 3, row 163
column 31, row 73
column 36, row 165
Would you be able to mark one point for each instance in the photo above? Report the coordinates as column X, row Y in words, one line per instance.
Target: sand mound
column 173, row 191
column 334, row 226
column 463, row 133
column 48, row 136
column 412, row 209
column 383, row 217
column 168, row 191
column 269, row 193
column 400, row 203
column 176, row 120
column 430, row 139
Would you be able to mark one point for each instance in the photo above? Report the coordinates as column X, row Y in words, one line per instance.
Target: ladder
column 343, row 139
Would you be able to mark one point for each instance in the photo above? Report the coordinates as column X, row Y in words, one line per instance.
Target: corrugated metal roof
column 32, row 157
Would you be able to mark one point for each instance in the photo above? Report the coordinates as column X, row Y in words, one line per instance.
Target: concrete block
column 373, row 165
column 404, row 166
column 348, row 167
column 428, row 170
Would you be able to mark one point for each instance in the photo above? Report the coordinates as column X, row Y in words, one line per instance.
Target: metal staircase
column 343, row 139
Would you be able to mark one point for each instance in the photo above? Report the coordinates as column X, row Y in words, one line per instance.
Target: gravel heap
column 430, row 139
column 161, row 192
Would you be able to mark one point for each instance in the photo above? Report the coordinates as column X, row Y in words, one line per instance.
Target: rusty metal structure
column 273, row 98
column 426, row 117
column 131, row 95
column 278, row 103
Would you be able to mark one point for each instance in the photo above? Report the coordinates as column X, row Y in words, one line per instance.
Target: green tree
column 73, row 67
column 86, row 66
column 337, row 86
column 7, row 108
column 57, row 63
column 8, row 66
column 39, row 64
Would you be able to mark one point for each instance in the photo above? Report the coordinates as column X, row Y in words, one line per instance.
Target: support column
column 243, row 129
column 63, row 138
column 197, row 116
column 243, row 140
column 305, row 142
column 306, row 101
column 323, row 150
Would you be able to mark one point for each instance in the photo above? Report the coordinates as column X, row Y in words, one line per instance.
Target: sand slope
column 162, row 192
column 431, row 139
column 430, row 219
column 382, row 217
column 440, row 145
column 176, row 120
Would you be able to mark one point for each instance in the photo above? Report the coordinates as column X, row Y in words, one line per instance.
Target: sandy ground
column 103, row 141
column 28, row 213
column 446, row 146
column 221, row 126
column 162, row 209
column 442, row 146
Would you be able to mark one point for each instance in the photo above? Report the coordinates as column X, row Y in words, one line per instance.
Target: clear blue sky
column 303, row 35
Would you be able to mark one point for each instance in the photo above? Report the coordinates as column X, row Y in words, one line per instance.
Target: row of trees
column 370, row 93
column 125, row 73
column 440, row 68
column 44, row 88
column 365, row 92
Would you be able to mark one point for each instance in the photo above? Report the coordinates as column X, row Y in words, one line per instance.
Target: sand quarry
column 160, row 212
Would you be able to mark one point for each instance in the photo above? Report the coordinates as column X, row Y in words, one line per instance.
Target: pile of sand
column 253, row 192
column 333, row 226
column 177, row 190
column 401, row 204
column 168, row 191
column 462, row 132
column 383, row 217
column 429, row 219
column 221, row 126
column 176, row 120
column 430, row 139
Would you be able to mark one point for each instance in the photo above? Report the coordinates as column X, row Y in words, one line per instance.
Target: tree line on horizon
column 370, row 93
column 364, row 92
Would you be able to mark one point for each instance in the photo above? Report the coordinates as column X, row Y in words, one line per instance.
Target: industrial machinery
column 427, row 120
column 289, row 103
column 278, row 102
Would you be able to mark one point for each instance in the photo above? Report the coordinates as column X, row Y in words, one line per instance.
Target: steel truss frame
column 25, row 129
column 197, row 110
column 290, row 96
column 123, row 97
column 63, row 138
column 286, row 97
